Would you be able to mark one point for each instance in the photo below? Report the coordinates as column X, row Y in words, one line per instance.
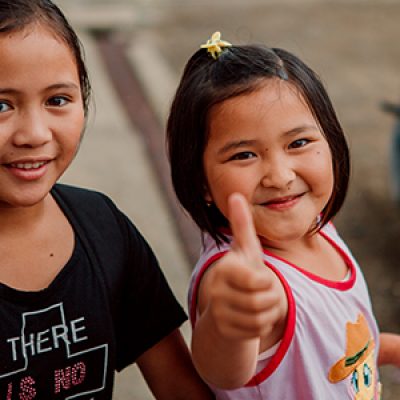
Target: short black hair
column 16, row 15
column 241, row 70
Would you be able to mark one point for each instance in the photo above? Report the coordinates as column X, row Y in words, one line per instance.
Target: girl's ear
column 207, row 195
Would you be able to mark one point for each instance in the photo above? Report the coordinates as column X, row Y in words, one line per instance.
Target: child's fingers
column 242, row 225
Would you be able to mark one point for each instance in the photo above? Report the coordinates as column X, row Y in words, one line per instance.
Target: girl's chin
column 25, row 199
column 281, row 236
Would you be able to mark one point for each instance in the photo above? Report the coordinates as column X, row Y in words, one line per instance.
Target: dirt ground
column 353, row 45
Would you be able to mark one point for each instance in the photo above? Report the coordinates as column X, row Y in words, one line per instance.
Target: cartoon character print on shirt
column 358, row 365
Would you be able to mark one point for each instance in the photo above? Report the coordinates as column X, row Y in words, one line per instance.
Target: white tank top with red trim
column 331, row 341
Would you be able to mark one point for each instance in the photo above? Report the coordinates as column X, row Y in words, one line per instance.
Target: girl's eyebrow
column 301, row 129
column 66, row 85
column 236, row 145
column 63, row 85
column 8, row 91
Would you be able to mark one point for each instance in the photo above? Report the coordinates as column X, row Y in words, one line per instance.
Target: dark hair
column 15, row 15
column 240, row 70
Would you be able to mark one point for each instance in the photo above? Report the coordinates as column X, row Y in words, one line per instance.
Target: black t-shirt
column 108, row 305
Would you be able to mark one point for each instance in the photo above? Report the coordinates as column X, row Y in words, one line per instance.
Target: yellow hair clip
column 215, row 45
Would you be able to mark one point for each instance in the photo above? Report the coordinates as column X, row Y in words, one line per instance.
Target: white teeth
column 28, row 165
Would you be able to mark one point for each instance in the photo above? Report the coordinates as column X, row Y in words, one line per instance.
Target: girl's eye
column 57, row 101
column 299, row 143
column 4, row 107
column 244, row 155
column 354, row 382
column 367, row 375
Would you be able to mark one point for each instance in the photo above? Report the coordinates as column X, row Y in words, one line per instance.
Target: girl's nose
column 32, row 130
column 278, row 173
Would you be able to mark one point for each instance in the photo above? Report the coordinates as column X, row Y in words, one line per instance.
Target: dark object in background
column 394, row 109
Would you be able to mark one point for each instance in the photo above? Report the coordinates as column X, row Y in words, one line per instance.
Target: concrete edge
column 156, row 75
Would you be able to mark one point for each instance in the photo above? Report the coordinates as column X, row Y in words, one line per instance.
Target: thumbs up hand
column 242, row 307
column 244, row 298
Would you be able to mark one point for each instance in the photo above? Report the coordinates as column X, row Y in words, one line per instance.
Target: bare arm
column 389, row 350
column 242, row 308
column 169, row 372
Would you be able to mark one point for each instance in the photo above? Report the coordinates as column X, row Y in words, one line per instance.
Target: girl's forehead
column 265, row 93
column 32, row 34
column 263, row 101
column 32, row 59
column 43, row 29
column 273, row 113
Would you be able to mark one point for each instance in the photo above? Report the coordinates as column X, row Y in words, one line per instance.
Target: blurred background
column 136, row 50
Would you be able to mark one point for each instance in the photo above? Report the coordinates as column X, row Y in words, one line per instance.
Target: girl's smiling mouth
column 28, row 170
column 28, row 165
column 283, row 203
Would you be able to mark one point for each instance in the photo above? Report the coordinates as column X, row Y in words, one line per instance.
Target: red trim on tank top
column 287, row 336
column 339, row 285
column 290, row 324
column 193, row 300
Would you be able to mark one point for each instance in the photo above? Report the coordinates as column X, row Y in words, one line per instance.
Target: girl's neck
column 314, row 254
column 35, row 244
column 306, row 243
column 22, row 218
